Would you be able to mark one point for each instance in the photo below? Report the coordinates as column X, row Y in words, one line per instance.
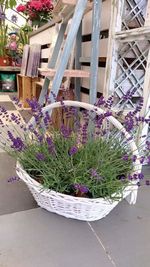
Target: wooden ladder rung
column 67, row 73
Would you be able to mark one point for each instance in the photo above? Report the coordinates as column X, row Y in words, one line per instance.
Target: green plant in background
column 3, row 39
column 23, row 34
column 4, row 4
column 8, row 3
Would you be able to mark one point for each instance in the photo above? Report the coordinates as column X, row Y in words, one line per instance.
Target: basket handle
column 98, row 111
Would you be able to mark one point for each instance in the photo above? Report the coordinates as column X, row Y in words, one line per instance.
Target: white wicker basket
column 76, row 207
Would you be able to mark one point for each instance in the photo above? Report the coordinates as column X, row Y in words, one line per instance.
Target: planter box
column 5, row 61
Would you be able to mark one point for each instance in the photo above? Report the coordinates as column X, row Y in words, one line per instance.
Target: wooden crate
column 57, row 114
column 25, row 85
column 36, row 89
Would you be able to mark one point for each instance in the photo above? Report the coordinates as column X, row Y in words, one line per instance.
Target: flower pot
column 38, row 23
column 5, row 61
column 80, row 208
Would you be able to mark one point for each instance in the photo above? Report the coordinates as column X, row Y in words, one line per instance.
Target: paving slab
column 37, row 238
column 13, row 196
column 125, row 232
column 4, row 97
column 8, row 105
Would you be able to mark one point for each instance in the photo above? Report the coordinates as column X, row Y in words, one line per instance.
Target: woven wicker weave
column 76, row 207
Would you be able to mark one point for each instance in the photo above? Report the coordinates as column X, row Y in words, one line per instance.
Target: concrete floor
column 33, row 237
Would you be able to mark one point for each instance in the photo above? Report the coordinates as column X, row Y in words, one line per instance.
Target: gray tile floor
column 33, row 237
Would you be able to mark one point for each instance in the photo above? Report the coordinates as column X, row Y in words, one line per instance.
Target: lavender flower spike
column 73, row 150
column 40, row 156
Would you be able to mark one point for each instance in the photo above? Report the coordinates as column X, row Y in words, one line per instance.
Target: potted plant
column 38, row 12
column 4, row 59
column 77, row 171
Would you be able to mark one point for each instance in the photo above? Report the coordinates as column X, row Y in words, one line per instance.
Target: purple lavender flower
column 139, row 106
column 84, row 189
column 147, row 145
column 109, row 102
column 73, row 150
column 66, row 132
column 99, row 120
column 84, row 133
column 125, row 157
column 141, row 176
column 40, row 138
column 129, row 122
column 40, row 156
column 18, row 144
column 147, row 182
column 148, row 160
column 135, row 176
column 142, row 159
column 54, row 96
column 130, row 177
column 51, row 146
column 134, row 158
column 138, row 184
column 13, row 179
column 100, row 102
column 94, row 174
column 34, row 105
column 68, row 112
column 76, row 186
column 47, row 119
column 107, row 114
column 128, row 95
column 17, row 102
column 81, row 188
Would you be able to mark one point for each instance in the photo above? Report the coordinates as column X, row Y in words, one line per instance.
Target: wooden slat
column 9, row 69
column 88, row 59
column 69, row 2
column 147, row 18
column 67, row 73
column 142, row 33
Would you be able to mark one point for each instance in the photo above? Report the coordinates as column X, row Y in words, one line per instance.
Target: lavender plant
column 67, row 159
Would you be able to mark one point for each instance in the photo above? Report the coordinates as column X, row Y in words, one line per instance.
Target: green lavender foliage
column 60, row 171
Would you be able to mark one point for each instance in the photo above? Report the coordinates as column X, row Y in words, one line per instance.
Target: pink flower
column 21, row 8
column 37, row 5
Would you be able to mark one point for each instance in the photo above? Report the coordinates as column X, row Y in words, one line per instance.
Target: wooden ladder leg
column 75, row 23
column 77, row 62
column 95, row 50
column 52, row 61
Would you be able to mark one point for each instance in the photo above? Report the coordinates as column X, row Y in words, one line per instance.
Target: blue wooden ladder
column 56, row 73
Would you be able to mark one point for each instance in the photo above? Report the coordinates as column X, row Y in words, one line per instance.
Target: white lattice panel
column 133, row 14
column 131, row 67
column 128, row 52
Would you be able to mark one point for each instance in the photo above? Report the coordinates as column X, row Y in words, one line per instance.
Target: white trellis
column 128, row 59
column 127, row 67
